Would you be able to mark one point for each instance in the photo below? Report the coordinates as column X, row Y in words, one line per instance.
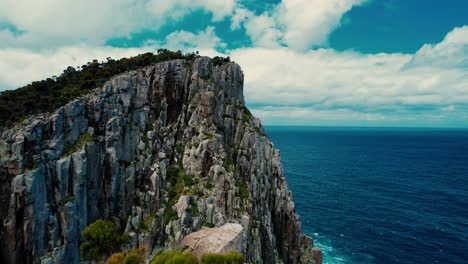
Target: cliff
column 166, row 151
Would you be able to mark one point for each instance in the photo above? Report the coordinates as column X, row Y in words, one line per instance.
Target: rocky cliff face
column 165, row 151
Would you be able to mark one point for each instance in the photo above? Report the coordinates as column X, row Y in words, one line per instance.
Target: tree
column 102, row 238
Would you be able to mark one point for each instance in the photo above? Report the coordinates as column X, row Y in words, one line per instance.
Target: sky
column 401, row 63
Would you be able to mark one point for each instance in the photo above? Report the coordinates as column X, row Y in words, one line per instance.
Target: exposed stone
column 222, row 239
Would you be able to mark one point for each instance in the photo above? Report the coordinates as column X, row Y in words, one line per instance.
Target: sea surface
column 380, row 195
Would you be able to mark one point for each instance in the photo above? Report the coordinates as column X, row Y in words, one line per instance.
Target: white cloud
column 263, row 32
column 327, row 80
column 178, row 8
column 451, row 52
column 59, row 23
column 298, row 24
column 184, row 40
column 239, row 17
column 308, row 23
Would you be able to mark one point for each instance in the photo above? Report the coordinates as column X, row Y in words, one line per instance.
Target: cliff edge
column 169, row 151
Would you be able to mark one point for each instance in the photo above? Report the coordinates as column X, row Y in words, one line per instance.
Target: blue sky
column 306, row 62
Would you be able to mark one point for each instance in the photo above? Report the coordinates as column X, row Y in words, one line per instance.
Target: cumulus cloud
column 298, row 24
column 451, row 52
column 308, row 23
column 178, row 8
column 58, row 23
column 384, row 84
column 184, row 40
column 263, row 32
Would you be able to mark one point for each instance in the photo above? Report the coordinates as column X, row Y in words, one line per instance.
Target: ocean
column 379, row 195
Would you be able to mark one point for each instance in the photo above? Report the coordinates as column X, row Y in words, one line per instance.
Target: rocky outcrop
column 164, row 151
column 215, row 240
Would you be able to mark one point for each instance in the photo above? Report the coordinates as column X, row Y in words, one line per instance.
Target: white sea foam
column 330, row 255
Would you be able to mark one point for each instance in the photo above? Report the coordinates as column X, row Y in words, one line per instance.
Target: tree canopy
column 102, row 238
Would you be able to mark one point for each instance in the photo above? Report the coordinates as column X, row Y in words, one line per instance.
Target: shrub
column 243, row 191
column 133, row 259
column 218, row 61
column 181, row 183
column 134, row 256
column 82, row 140
column 180, row 257
column 180, row 148
column 247, row 116
column 211, row 258
column 116, row 258
column 174, row 257
column 102, row 238
column 232, row 257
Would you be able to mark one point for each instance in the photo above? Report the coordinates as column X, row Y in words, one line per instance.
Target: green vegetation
column 194, row 190
column 170, row 214
column 218, row 61
column 147, row 222
column 230, row 166
column 209, row 185
column 207, row 224
column 243, row 192
column 180, row 257
column 134, row 256
column 208, row 135
column 82, row 140
column 179, row 183
column 116, row 258
column 174, row 257
column 247, row 116
column 232, row 257
column 102, row 238
column 180, row 148
column 49, row 94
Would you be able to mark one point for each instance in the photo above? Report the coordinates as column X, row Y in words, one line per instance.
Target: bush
column 174, row 257
column 180, row 184
column 243, row 191
column 179, row 257
column 116, row 258
column 68, row 150
column 102, row 238
column 232, row 257
column 134, row 256
column 218, row 61
column 133, row 259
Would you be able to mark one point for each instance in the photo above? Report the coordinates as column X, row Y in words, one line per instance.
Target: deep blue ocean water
column 380, row 195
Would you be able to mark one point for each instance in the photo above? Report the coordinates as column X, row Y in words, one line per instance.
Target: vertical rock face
column 165, row 151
